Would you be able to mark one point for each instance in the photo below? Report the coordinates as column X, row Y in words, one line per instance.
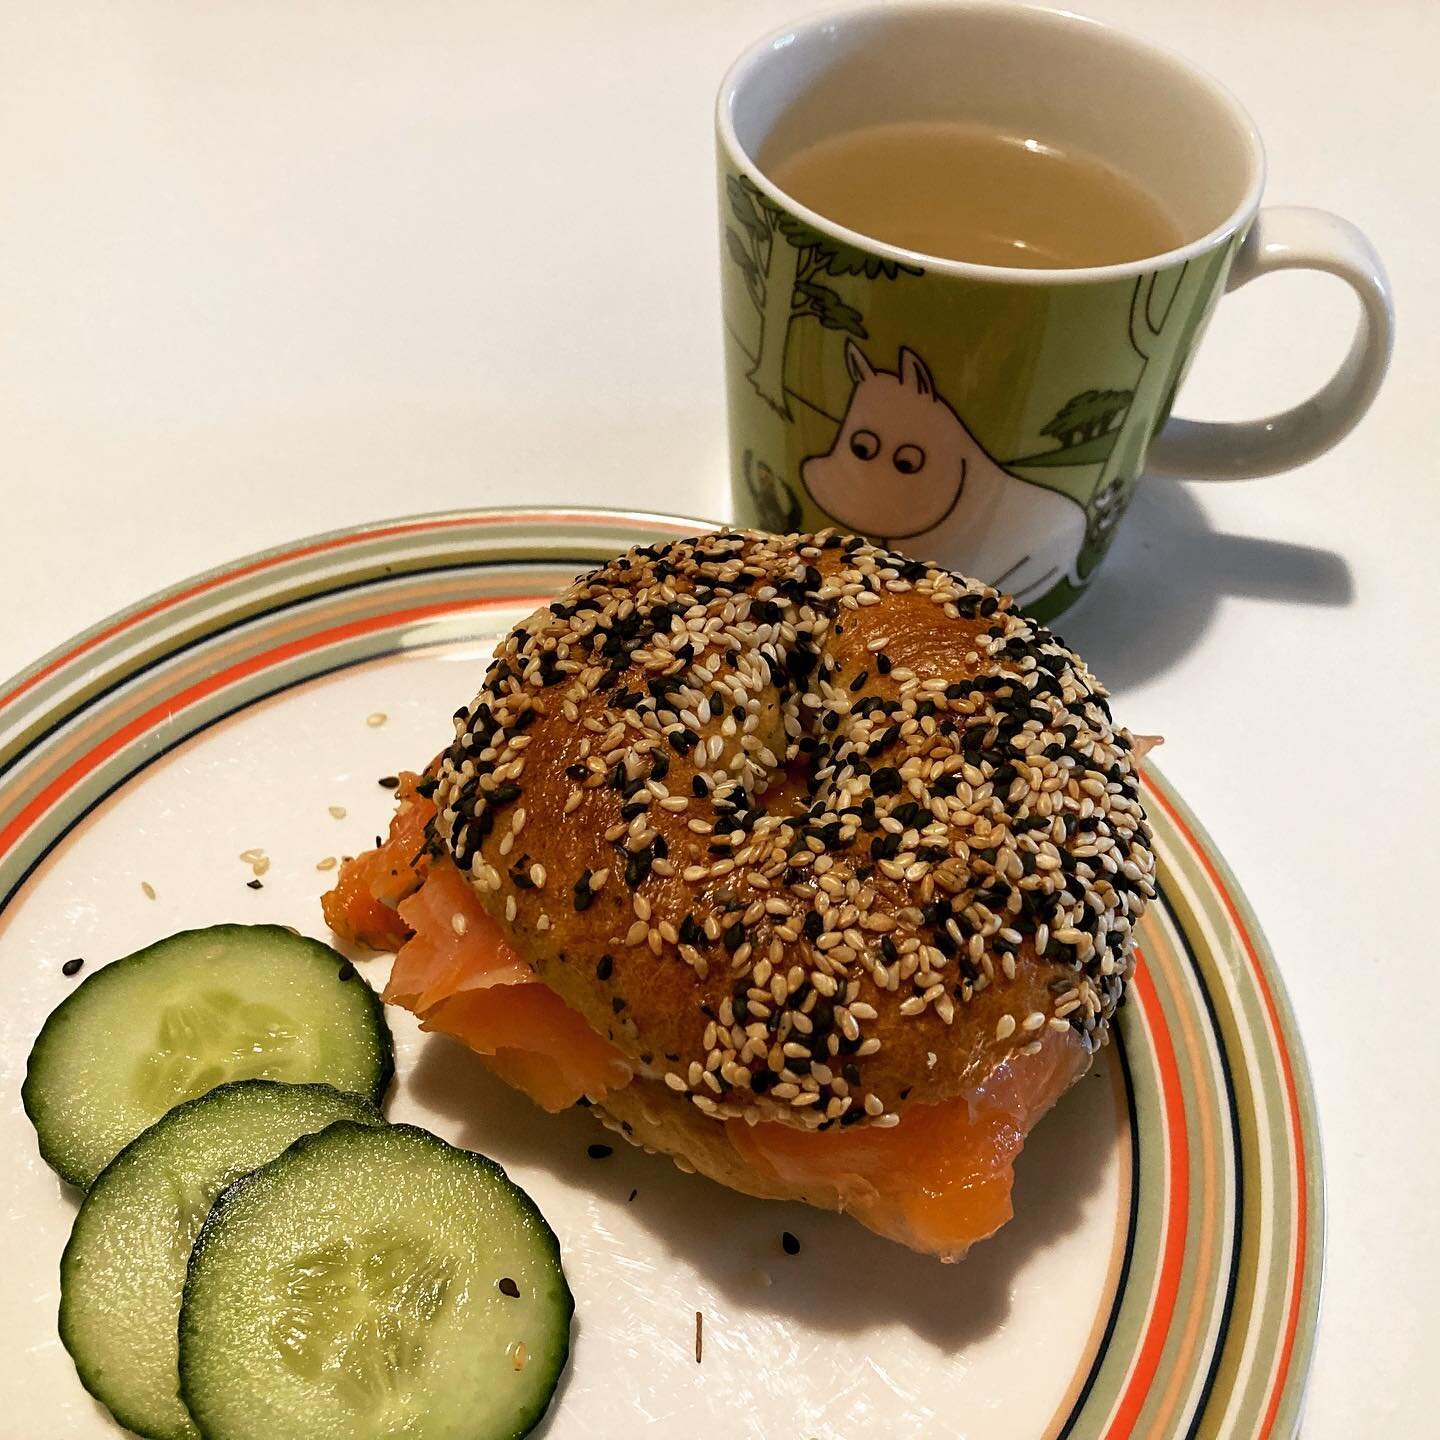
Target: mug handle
column 1292, row 237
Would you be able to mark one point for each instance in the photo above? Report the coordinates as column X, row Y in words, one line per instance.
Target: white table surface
column 271, row 268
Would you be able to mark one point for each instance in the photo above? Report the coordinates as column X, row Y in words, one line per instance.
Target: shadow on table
column 845, row 1279
column 1160, row 587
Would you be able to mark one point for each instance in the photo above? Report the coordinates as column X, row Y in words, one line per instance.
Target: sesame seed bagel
column 811, row 831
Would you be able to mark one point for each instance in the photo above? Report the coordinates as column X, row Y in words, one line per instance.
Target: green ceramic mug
column 994, row 419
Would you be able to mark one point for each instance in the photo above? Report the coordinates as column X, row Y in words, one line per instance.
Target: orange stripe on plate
column 1172, row 1254
column 168, row 708
column 1262, row 983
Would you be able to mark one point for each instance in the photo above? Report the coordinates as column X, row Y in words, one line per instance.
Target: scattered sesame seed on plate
column 374, row 721
column 328, row 863
column 148, row 889
column 338, row 811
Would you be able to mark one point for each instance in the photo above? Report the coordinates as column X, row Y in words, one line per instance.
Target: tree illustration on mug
column 780, row 258
column 1087, row 415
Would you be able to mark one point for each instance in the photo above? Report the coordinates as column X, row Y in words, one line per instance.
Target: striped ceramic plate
column 1162, row 1275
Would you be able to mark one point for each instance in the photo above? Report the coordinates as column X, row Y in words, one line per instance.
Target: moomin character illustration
column 904, row 468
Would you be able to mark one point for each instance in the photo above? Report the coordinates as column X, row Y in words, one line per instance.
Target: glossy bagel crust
column 807, row 828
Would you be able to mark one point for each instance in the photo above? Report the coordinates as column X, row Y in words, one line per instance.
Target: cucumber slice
column 352, row 1289
column 232, row 1002
column 122, row 1272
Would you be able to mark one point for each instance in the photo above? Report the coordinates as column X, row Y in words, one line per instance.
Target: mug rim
column 757, row 52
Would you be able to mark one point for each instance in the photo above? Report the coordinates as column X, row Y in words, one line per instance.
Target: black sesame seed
column 789, row 1243
column 599, row 1152
column 506, row 1286
column 389, row 782
column 346, row 971
column 886, row 781
column 259, row 885
column 605, row 967
column 72, row 967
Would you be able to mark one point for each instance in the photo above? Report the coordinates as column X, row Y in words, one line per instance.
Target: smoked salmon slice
column 941, row 1179
column 458, row 974
column 362, row 906
column 454, row 970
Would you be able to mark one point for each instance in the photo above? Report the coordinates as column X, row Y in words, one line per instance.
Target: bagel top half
column 808, row 829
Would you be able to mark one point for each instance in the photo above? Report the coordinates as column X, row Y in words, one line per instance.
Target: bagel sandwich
column 808, row 864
